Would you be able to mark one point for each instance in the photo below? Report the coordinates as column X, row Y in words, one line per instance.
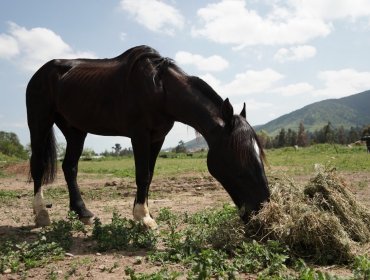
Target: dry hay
column 321, row 221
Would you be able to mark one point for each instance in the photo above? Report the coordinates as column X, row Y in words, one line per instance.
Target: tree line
column 11, row 146
column 302, row 138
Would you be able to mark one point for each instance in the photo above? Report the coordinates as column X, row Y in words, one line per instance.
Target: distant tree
column 353, row 135
column 328, row 133
column 281, row 138
column 11, row 146
column 117, row 149
column 180, row 148
column 106, row 153
column 341, row 135
column 302, row 139
column 88, row 153
column 291, row 138
column 126, row 152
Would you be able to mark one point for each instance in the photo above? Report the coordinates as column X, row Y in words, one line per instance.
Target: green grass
column 302, row 161
column 4, row 162
column 294, row 162
column 8, row 197
column 125, row 167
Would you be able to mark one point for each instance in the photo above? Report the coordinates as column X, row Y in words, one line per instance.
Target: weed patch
column 122, row 234
column 51, row 244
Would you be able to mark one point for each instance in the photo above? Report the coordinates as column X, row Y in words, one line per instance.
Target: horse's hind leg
column 75, row 142
column 42, row 167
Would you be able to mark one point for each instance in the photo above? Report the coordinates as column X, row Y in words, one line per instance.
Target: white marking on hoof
column 42, row 218
column 88, row 221
column 141, row 213
column 39, row 209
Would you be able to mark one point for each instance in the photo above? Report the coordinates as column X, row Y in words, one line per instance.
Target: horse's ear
column 227, row 111
column 243, row 112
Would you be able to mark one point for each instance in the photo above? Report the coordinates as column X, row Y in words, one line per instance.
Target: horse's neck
column 190, row 106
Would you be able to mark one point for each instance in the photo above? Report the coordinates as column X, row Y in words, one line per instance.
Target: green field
column 302, row 161
column 289, row 160
column 165, row 167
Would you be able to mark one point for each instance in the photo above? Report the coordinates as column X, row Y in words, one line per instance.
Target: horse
column 138, row 94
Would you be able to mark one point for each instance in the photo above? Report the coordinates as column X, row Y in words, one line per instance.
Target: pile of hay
column 321, row 221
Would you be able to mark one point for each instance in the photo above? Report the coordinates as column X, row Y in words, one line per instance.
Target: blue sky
column 275, row 55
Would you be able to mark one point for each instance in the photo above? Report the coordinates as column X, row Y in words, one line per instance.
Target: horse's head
column 235, row 159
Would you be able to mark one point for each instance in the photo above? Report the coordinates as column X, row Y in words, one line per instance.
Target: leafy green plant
column 61, row 232
column 51, row 244
column 163, row 274
column 211, row 263
column 361, row 267
column 122, row 233
column 27, row 255
column 252, row 257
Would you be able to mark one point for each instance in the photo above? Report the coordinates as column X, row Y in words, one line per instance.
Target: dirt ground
column 190, row 193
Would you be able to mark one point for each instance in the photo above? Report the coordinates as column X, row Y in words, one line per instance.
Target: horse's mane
column 145, row 57
column 243, row 139
column 206, row 90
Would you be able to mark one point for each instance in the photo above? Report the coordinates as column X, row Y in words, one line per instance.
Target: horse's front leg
column 144, row 172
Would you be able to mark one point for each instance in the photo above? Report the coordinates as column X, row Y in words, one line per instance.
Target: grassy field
column 210, row 244
column 165, row 167
column 289, row 160
column 302, row 161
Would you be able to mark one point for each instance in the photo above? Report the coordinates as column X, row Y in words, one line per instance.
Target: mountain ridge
column 349, row 111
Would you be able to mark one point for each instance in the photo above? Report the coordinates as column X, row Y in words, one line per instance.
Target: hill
column 350, row 111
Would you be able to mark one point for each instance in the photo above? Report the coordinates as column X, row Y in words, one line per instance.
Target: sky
column 275, row 55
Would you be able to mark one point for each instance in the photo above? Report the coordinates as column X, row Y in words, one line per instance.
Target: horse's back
column 102, row 96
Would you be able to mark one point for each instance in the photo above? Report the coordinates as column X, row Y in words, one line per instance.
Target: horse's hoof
column 42, row 218
column 87, row 220
column 150, row 223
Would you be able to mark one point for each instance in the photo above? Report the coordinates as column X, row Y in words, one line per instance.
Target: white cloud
column 8, row 46
column 298, row 53
column 251, row 105
column 231, row 22
column 155, row 15
column 343, row 82
column 294, row 89
column 284, row 22
column 333, row 9
column 246, row 83
column 252, row 81
column 35, row 46
column 212, row 63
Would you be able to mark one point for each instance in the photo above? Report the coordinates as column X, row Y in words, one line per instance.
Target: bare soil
column 190, row 193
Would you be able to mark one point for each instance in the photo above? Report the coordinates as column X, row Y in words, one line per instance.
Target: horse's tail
column 40, row 115
column 50, row 158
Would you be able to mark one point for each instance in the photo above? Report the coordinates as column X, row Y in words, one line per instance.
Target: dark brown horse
column 140, row 95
